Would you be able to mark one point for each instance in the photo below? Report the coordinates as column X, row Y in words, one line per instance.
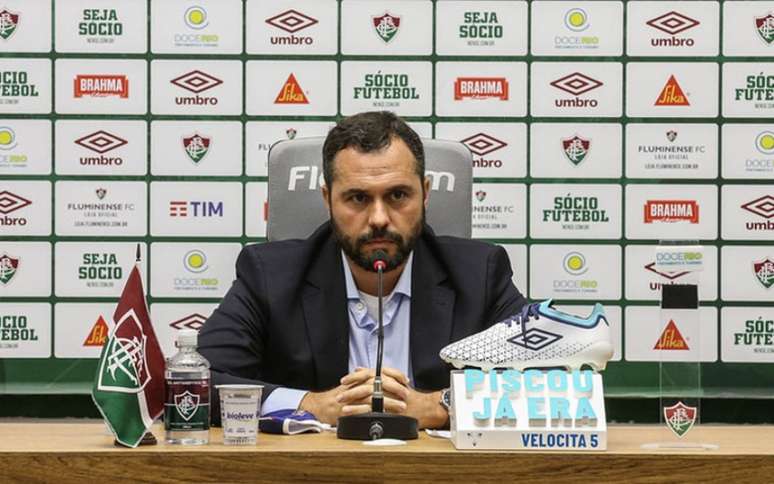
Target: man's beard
column 355, row 249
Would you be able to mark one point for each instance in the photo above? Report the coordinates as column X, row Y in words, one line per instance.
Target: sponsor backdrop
column 597, row 128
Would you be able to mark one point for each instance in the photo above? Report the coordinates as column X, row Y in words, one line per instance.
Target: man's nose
column 378, row 216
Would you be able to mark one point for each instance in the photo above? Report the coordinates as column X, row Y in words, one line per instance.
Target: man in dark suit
column 301, row 316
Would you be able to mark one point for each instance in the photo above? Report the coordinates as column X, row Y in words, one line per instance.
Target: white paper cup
column 240, row 409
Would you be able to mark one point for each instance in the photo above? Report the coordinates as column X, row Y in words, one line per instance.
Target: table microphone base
column 377, row 425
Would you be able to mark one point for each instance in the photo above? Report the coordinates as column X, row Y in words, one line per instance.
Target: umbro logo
column 535, row 339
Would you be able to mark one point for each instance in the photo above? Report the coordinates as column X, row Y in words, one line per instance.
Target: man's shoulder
column 464, row 247
column 280, row 253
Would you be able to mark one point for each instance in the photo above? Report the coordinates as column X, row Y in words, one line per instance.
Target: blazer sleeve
column 233, row 339
column 502, row 296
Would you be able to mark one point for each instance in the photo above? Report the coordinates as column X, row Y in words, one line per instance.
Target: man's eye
column 358, row 198
column 399, row 195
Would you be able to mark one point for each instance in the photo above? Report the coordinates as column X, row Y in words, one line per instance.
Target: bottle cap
column 187, row 337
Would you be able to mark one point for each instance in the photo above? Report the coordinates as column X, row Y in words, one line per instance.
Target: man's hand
column 353, row 396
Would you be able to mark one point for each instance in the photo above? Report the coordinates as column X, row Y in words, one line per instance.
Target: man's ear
column 326, row 196
column 427, row 191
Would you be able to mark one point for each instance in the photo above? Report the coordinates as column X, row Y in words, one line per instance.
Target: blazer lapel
column 325, row 314
column 432, row 310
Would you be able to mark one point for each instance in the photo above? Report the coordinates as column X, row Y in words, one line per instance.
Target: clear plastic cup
column 240, row 409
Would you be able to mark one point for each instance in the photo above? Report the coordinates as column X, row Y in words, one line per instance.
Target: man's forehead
column 393, row 160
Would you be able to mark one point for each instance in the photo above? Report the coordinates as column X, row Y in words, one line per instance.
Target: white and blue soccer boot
column 537, row 337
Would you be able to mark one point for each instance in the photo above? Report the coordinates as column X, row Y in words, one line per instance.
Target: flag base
column 147, row 439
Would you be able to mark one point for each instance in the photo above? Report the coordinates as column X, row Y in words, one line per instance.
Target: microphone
column 377, row 424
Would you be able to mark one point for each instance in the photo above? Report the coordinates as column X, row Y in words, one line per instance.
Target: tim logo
column 311, row 178
column 182, row 209
column 671, row 211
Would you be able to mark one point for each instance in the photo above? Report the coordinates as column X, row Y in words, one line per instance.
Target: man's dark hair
column 369, row 132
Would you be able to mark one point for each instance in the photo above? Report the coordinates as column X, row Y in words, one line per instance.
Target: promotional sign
column 531, row 410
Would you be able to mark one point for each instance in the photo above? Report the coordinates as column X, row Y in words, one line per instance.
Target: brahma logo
column 762, row 207
column 672, row 94
column 672, row 23
column 386, row 26
column 196, row 147
column 291, row 92
column 101, row 142
column 11, row 202
column 763, row 25
column 98, row 334
column 763, row 270
column 101, row 85
column 671, row 211
column 182, row 209
column 192, row 321
column 196, row 82
column 291, row 21
column 576, row 84
column 8, row 23
column 480, row 88
column 575, row 149
column 8, row 267
column 482, row 144
column 671, row 339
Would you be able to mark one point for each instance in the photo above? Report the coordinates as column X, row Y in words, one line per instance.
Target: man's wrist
column 438, row 416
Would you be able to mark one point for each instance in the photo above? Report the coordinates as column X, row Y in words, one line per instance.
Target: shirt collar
column 402, row 287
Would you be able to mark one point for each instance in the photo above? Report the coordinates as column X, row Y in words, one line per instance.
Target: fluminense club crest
column 576, row 149
column 671, row 135
column 196, row 147
column 8, row 267
column 8, row 23
column 680, row 418
column 101, row 192
column 125, row 369
column 480, row 195
column 765, row 27
column 386, row 26
column 764, row 272
column 291, row 133
column 186, row 404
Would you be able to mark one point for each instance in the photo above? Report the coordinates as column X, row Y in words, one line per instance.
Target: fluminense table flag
column 129, row 386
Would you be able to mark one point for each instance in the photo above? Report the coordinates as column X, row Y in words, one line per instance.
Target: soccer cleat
column 537, row 337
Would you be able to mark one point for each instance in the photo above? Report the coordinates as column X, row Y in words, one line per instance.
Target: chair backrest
column 295, row 175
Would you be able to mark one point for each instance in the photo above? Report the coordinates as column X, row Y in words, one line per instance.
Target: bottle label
column 188, row 405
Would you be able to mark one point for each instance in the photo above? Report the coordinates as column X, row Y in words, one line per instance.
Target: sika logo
column 196, row 147
column 98, row 334
column 481, row 88
column 11, row 202
column 762, row 207
column 575, row 149
column 763, row 25
column 291, row 92
column 672, row 23
column 291, row 21
column 763, row 270
column 669, row 275
column 101, row 142
column 196, row 82
column 670, row 211
column 184, row 209
column 101, row 85
column 8, row 267
column 482, row 144
column 671, row 339
column 192, row 321
column 386, row 26
column 576, row 84
column 8, row 23
column 672, row 94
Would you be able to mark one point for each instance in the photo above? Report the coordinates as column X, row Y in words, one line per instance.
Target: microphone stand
column 377, row 424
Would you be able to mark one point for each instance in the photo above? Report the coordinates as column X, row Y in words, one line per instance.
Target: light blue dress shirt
column 363, row 335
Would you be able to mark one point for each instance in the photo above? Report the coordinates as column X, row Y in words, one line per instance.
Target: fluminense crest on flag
column 8, row 267
column 680, row 418
column 763, row 25
column 196, row 147
column 764, row 272
column 129, row 386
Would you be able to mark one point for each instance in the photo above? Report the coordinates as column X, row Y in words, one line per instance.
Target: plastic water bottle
column 187, row 406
